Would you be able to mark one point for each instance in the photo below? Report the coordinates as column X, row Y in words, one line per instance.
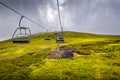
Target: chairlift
column 21, row 34
column 60, row 38
column 48, row 37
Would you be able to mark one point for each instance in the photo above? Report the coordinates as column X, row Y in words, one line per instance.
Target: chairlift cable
column 60, row 23
column 22, row 15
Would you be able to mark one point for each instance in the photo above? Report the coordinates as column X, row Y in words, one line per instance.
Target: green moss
column 98, row 58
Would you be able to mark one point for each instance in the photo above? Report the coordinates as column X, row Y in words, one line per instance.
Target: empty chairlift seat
column 21, row 35
column 47, row 38
column 59, row 40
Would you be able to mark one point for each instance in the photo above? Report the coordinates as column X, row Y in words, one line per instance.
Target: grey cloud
column 96, row 16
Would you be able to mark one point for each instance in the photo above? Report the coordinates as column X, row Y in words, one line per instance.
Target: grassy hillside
column 98, row 58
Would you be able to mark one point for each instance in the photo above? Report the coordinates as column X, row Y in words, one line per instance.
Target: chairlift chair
column 48, row 37
column 60, row 38
column 21, row 34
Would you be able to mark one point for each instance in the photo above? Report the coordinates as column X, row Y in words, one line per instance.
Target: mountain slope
column 98, row 58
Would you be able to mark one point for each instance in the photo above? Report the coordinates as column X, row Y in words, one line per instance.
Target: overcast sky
column 91, row 16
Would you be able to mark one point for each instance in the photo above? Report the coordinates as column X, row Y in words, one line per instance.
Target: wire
column 61, row 32
column 36, row 23
column 23, row 15
column 59, row 14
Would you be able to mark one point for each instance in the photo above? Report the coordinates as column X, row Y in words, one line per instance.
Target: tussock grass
column 98, row 58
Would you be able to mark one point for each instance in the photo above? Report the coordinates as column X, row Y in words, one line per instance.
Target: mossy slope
column 99, row 58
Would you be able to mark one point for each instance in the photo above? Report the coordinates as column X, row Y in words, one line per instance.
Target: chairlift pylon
column 21, row 34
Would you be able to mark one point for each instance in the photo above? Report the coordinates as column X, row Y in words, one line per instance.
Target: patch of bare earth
column 62, row 52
